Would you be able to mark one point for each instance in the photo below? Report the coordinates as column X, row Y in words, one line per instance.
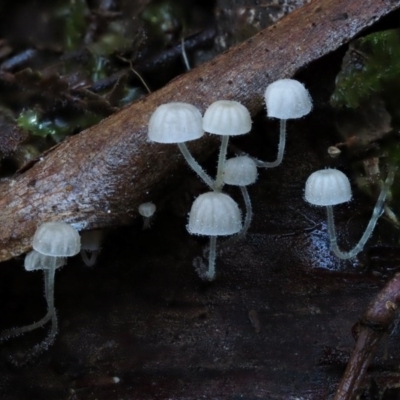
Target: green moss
column 57, row 128
column 370, row 67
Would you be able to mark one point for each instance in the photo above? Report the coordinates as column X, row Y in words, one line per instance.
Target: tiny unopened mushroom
column 179, row 123
column 214, row 214
column 147, row 210
column 285, row 99
column 225, row 118
column 334, row 151
column 329, row 187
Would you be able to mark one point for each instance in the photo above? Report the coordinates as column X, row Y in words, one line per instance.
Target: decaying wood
column 98, row 178
column 375, row 323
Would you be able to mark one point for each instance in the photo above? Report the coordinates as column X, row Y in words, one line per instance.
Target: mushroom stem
column 281, row 148
column 49, row 289
column 211, row 258
column 9, row 333
column 49, row 294
column 40, row 347
column 49, row 275
column 249, row 212
column 195, row 165
column 219, row 181
column 247, row 219
column 377, row 212
column 46, row 343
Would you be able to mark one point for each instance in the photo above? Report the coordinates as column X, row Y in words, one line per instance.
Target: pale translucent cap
column 225, row 117
column 240, row 171
column 327, row 187
column 147, row 209
column 34, row 261
column 175, row 123
column 287, row 99
column 56, row 239
column 214, row 214
column 91, row 240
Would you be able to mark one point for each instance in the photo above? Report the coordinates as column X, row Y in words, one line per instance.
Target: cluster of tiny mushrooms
column 213, row 213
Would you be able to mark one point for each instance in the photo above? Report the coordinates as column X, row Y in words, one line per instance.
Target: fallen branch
column 376, row 322
column 99, row 177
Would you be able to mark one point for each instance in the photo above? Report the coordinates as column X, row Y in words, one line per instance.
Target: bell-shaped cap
column 34, row 261
column 214, row 214
column 91, row 240
column 225, row 117
column 147, row 209
column 175, row 123
column 240, row 171
column 287, row 99
column 57, row 239
column 327, row 187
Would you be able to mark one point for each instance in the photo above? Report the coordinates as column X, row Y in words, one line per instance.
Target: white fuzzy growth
column 240, row 171
column 175, row 123
column 147, row 209
column 57, row 239
column 214, row 214
column 287, row 99
column 35, row 261
column 327, row 187
column 225, row 117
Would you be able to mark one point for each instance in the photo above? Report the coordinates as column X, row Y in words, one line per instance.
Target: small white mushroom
column 175, row 123
column 214, row 214
column 285, row 99
column 241, row 171
column 52, row 242
column 329, row 187
column 56, row 239
column 178, row 123
column 226, row 118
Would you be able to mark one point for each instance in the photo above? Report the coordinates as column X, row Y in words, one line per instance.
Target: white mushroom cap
column 287, row 99
column 225, row 117
column 91, row 240
column 34, row 261
column 327, row 187
column 175, row 123
column 214, row 214
column 57, row 239
column 147, row 209
column 240, row 171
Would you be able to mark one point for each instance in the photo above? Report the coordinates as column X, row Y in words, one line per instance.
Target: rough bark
column 98, row 178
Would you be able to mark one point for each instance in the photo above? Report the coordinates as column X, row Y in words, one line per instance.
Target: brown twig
column 375, row 322
column 99, row 177
column 150, row 64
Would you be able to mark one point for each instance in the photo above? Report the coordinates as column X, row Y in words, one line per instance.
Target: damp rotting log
column 99, row 177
